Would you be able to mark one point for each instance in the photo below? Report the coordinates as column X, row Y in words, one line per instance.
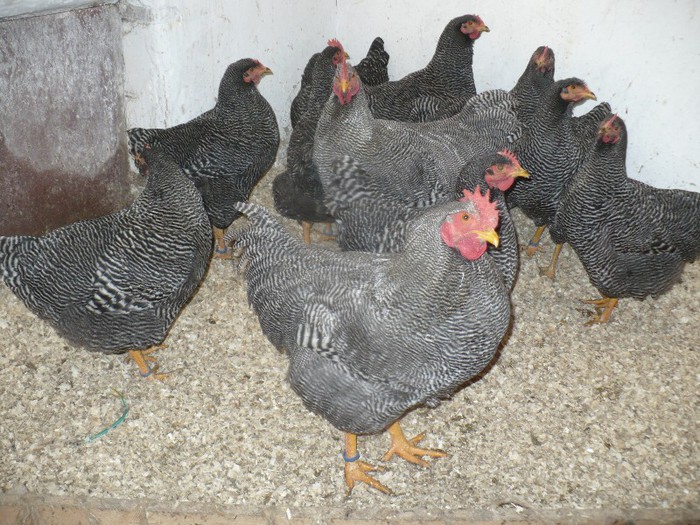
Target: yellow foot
column 356, row 472
column 534, row 245
column 532, row 249
column 406, row 448
column 547, row 272
column 142, row 358
column 604, row 308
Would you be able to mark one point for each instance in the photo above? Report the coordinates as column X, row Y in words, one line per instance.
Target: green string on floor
column 118, row 422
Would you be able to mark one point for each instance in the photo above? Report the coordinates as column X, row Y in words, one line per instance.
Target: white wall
column 642, row 58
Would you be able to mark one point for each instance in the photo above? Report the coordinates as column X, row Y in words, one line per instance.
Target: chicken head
column 341, row 54
column 576, row 91
column 469, row 231
column 502, row 174
column 473, row 26
column 346, row 83
column 255, row 73
column 610, row 130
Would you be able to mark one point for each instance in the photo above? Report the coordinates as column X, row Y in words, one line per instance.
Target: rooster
column 370, row 337
column 226, row 150
column 632, row 239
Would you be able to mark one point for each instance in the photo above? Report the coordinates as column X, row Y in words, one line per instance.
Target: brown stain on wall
column 34, row 202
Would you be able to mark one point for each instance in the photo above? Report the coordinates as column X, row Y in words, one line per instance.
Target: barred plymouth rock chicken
column 551, row 152
column 308, row 96
column 297, row 192
column 368, row 220
column 533, row 84
column 226, row 150
column 121, row 290
column 632, row 239
column 372, row 336
column 414, row 161
column 447, row 82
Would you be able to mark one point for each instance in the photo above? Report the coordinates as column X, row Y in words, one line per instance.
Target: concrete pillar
column 63, row 150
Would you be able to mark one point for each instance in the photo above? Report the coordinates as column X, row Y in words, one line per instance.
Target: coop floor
column 569, row 418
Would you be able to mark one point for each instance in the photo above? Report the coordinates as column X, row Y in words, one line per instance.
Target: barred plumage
column 551, row 151
column 446, row 82
column 632, row 239
column 373, row 69
column 371, row 336
column 369, row 220
column 117, row 282
column 226, row 150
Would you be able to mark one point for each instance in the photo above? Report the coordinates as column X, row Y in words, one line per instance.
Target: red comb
column 334, row 42
column 486, row 209
column 510, row 156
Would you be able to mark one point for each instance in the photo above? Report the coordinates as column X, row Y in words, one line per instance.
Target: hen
column 632, row 239
column 226, row 150
column 123, row 289
column 533, row 84
column 370, row 221
column 444, row 85
column 413, row 162
column 370, row 337
column 297, row 192
column 551, row 152
column 308, row 96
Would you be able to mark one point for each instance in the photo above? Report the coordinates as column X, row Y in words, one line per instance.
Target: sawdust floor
column 568, row 417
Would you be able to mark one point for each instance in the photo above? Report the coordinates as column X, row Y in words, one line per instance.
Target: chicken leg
column 405, row 447
column 356, row 470
column 142, row 358
column 534, row 245
column 604, row 308
column 550, row 271
column 221, row 251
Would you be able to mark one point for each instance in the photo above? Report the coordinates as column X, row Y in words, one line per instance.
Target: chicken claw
column 356, row 470
column 550, row 271
column 604, row 308
column 221, row 250
column 142, row 360
column 405, row 448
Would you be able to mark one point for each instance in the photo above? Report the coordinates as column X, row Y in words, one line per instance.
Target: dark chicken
column 632, row 239
column 551, row 152
column 413, row 162
column 297, row 192
column 368, row 220
column 226, row 150
column 533, row 84
column 370, row 337
column 121, row 290
column 442, row 87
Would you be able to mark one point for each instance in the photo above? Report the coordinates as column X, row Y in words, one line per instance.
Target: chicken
column 373, row 69
column 297, row 192
column 226, row 150
column 413, row 161
column 122, row 290
column 331, row 56
column 551, row 152
column 446, row 82
column 370, row 221
column 370, row 337
column 533, row 84
column 632, row 239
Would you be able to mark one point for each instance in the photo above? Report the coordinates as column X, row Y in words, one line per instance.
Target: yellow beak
column 590, row 95
column 489, row 236
column 344, row 84
column 522, row 172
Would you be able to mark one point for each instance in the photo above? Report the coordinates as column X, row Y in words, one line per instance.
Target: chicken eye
column 465, row 217
column 246, row 74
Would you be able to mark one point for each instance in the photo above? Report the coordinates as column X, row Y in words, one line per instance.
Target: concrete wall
column 62, row 152
column 643, row 59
